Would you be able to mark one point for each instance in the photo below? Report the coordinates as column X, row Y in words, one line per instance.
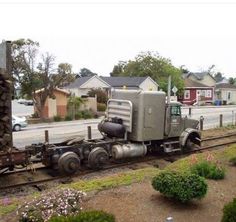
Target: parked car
column 29, row 102
column 18, row 123
column 21, row 101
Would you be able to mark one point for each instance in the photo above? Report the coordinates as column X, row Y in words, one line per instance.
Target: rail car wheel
column 97, row 158
column 68, row 163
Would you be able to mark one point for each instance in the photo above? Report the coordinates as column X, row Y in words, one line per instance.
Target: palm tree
column 74, row 103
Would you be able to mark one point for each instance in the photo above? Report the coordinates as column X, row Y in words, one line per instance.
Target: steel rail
column 119, row 165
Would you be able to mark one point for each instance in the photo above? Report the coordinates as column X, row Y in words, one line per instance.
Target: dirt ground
column 141, row 203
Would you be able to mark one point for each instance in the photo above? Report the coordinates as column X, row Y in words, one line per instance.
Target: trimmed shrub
column 86, row 114
column 54, row 203
column 101, row 107
column 180, row 186
column 78, row 115
column 87, row 216
column 208, row 170
column 229, row 212
column 57, row 118
column 233, row 160
column 68, row 118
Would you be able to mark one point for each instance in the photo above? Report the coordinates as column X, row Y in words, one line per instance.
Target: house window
column 208, row 94
column 229, row 95
column 203, row 93
column 187, row 94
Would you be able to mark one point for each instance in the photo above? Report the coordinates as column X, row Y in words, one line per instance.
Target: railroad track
column 115, row 165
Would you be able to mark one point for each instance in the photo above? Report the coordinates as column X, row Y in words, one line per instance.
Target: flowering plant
column 55, row 203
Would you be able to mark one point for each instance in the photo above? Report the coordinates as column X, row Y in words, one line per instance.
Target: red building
column 196, row 93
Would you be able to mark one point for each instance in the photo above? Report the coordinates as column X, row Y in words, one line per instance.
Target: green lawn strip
column 14, row 203
column 108, row 182
column 5, row 209
column 222, row 156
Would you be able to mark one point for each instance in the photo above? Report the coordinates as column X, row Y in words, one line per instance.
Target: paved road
column 21, row 109
column 57, row 132
column 211, row 115
column 62, row 130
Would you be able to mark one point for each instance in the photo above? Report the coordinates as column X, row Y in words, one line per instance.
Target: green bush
column 208, row 170
column 68, row 118
column 101, row 107
column 35, row 115
column 57, row 118
column 229, row 212
column 87, row 216
column 180, row 186
column 78, row 115
column 87, row 114
column 233, row 160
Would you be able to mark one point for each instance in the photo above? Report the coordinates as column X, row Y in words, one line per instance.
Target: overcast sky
column 97, row 34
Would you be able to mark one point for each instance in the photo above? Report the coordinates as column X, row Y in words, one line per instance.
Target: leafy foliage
column 57, row 118
column 73, row 105
column 68, row 118
column 180, row 186
column 32, row 72
column 101, row 107
column 208, row 170
column 101, row 95
column 233, row 160
column 87, row 216
column 56, row 203
column 84, row 72
column 229, row 212
column 87, row 114
column 153, row 65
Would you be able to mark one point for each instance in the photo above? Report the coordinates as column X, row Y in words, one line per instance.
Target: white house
column 83, row 85
column 226, row 93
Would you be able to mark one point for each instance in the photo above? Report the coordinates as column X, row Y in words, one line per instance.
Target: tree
column 118, row 69
column 218, row 76
column 84, row 72
column 101, row 95
column 155, row 66
column 64, row 74
column 24, row 57
column 33, row 76
column 74, row 104
column 232, row 80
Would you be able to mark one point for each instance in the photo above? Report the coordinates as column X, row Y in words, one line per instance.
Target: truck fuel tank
column 112, row 129
column 122, row 151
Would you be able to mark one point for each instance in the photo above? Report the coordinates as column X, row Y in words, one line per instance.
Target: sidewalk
column 63, row 123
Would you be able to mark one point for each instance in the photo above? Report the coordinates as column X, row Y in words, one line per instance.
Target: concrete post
column 89, row 133
column 221, row 120
column 201, row 122
column 46, row 136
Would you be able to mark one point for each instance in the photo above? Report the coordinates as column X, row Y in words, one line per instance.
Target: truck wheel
column 68, row 163
column 97, row 158
column 189, row 145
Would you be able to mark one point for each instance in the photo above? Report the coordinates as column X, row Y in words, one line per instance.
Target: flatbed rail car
column 136, row 122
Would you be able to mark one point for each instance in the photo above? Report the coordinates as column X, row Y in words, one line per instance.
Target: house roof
column 225, row 86
column 111, row 81
column 198, row 75
column 78, row 82
column 191, row 83
column 123, row 81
